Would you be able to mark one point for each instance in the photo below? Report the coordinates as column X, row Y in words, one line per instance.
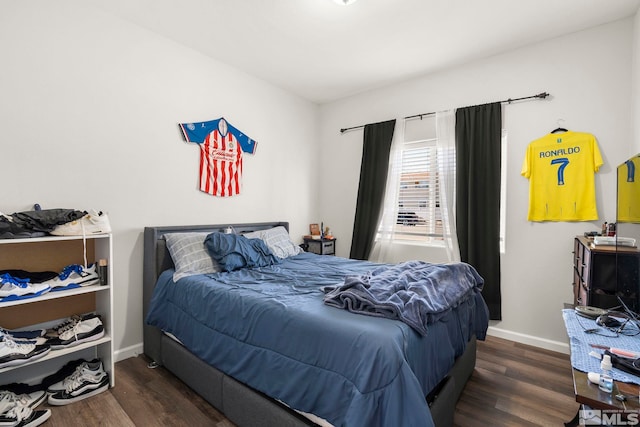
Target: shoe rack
column 53, row 254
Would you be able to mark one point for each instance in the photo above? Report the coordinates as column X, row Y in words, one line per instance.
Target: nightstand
column 321, row 246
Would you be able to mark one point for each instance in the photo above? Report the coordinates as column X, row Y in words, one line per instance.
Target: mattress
column 269, row 328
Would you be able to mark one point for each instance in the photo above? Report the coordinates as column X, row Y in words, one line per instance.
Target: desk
column 589, row 394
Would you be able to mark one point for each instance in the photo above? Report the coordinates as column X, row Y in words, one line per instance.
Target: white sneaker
column 93, row 222
column 26, row 337
column 84, row 366
column 68, row 323
column 13, row 288
column 86, row 329
column 23, row 416
column 18, row 410
column 23, row 334
column 74, row 275
column 87, row 380
column 13, row 353
column 32, row 400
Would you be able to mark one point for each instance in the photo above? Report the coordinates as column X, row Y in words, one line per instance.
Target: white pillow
column 189, row 254
column 278, row 240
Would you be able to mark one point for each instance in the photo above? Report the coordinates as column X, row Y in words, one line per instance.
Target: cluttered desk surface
column 588, row 341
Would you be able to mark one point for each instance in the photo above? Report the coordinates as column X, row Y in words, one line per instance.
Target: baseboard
column 125, row 353
column 560, row 347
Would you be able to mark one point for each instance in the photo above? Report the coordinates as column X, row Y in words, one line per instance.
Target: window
column 419, row 216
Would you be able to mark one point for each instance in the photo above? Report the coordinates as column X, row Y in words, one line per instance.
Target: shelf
column 53, row 254
column 61, row 352
column 56, row 294
column 53, row 239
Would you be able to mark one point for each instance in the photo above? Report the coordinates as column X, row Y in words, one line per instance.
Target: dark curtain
column 373, row 179
column 478, row 157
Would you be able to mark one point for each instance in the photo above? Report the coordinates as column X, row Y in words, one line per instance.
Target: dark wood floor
column 517, row 385
column 513, row 385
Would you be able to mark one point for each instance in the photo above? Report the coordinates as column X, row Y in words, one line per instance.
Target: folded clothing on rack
column 57, row 222
column 33, row 276
column 45, row 220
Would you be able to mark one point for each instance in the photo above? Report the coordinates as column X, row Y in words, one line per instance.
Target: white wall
column 88, row 119
column 588, row 75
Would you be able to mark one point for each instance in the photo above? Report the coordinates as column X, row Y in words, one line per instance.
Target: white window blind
column 419, row 217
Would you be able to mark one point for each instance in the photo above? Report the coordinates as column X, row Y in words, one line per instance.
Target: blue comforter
column 415, row 292
column 269, row 328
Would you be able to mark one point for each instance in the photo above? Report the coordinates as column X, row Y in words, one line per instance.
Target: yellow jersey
column 560, row 168
column 629, row 191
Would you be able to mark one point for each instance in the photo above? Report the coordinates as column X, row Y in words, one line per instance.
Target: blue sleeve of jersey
column 197, row 132
column 247, row 144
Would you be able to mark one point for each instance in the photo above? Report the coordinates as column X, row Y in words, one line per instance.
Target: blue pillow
column 233, row 251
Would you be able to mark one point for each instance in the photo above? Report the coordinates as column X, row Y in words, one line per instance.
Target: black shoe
column 88, row 380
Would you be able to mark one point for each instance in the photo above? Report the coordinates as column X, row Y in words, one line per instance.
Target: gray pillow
column 278, row 240
column 190, row 255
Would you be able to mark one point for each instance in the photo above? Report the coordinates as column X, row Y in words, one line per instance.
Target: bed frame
column 241, row 404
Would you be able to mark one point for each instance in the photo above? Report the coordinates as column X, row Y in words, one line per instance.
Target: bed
column 265, row 350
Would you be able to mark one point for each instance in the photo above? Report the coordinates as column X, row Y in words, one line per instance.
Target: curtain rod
column 542, row 95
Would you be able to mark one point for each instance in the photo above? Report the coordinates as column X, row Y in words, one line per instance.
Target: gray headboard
column 157, row 259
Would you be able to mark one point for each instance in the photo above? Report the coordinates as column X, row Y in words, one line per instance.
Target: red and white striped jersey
column 221, row 148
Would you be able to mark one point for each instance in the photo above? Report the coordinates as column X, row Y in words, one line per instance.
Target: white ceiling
column 323, row 51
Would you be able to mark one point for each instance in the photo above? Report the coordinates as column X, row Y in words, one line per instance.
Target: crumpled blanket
column 415, row 292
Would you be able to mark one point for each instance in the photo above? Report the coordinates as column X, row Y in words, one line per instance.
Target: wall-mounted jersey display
column 221, row 148
column 629, row 191
column 561, row 171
